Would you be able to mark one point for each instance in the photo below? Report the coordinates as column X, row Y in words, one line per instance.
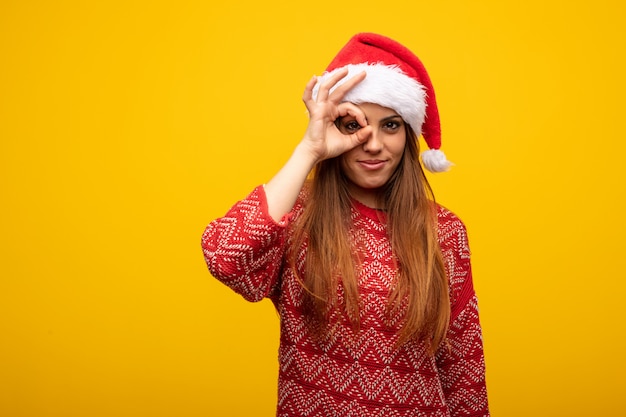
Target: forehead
column 375, row 111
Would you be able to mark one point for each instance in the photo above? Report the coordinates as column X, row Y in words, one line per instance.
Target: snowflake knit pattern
column 355, row 373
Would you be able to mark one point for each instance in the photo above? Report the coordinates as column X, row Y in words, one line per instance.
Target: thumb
column 360, row 136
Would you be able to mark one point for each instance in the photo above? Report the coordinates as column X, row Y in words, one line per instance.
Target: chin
column 371, row 187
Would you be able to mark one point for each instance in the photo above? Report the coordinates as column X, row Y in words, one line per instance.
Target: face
column 370, row 165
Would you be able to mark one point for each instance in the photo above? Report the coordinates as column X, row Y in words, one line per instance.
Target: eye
column 348, row 127
column 392, row 125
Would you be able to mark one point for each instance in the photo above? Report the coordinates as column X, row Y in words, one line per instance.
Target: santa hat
column 396, row 79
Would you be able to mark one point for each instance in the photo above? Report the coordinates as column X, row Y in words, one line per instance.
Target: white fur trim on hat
column 387, row 86
column 435, row 161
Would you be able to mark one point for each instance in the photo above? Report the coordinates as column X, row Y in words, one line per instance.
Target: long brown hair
column 421, row 287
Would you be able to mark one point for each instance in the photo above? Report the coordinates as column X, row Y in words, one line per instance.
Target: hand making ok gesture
column 322, row 137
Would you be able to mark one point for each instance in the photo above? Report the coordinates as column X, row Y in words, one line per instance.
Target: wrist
column 305, row 154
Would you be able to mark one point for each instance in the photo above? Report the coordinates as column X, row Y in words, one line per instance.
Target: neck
column 367, row 197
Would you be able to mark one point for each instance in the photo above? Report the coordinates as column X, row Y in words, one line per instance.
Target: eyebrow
column 384, row 119
column 388, row 118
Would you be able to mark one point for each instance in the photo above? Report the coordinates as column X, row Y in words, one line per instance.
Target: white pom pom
column 435, row 161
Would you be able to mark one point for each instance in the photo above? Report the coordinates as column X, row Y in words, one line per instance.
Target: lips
column 372, row 164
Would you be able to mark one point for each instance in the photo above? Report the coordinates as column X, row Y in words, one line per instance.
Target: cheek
column 347, row 156
column 343, row 162
column 397, row 146
column 347, row 161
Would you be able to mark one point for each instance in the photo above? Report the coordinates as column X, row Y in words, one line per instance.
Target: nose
column 374, row 143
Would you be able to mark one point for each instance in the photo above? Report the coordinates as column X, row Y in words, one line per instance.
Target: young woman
column 371, row 278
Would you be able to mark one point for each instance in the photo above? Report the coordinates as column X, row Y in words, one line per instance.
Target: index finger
column 351, row 109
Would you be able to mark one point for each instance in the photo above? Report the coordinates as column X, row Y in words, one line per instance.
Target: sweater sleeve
column 460, row 360
column 244, row 249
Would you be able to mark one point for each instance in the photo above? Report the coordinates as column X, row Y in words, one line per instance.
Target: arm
column 244, row 249
column 461, row 365
column 322, row 140
column 460, row 361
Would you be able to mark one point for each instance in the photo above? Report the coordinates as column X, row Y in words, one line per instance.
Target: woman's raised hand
column 322, row 137
column 322, row 140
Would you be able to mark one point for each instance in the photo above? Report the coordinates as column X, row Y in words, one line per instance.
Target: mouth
column 372, row 164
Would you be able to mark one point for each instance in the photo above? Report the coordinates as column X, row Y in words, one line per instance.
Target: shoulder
column 455, row 250
column 451, row 231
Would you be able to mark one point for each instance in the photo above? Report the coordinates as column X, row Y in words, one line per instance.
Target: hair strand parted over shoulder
column 421, row 287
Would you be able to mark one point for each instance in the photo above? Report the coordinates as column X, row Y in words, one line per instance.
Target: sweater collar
column 369, row 212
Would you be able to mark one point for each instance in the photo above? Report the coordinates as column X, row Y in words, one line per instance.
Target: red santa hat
column 396, row 79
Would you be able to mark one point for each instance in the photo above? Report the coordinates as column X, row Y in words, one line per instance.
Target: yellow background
column 126, row 126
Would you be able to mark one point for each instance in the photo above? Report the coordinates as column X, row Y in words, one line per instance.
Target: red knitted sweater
column 355, row 373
